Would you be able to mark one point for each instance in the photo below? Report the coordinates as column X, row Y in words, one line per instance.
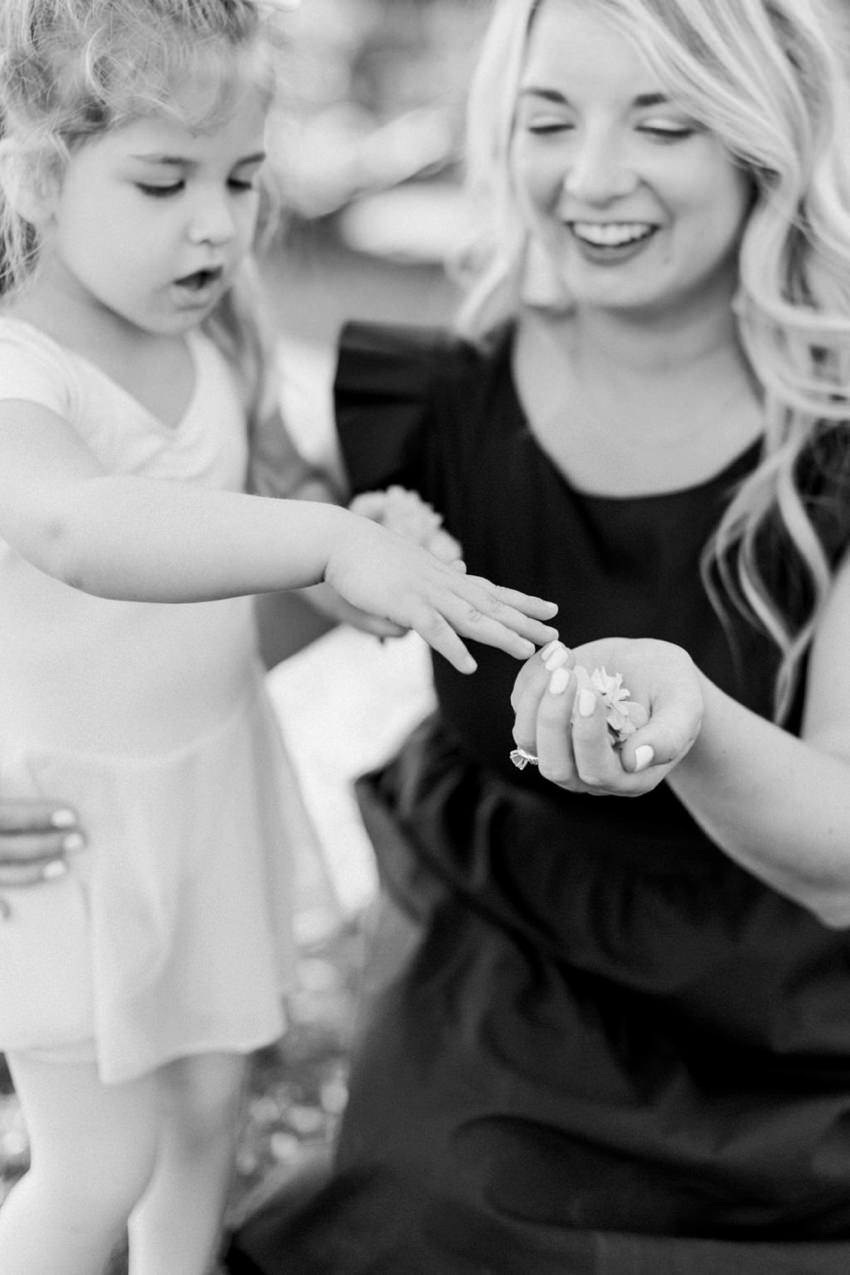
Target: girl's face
column 152, row 218
column 637, row 205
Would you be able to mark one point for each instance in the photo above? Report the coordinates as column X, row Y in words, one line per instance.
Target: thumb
column 667, row 737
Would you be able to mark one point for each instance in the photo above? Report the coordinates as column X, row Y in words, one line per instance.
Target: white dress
column 171, row 935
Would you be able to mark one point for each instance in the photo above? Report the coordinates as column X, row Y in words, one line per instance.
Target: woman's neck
column 645, row 345
column 628, row 405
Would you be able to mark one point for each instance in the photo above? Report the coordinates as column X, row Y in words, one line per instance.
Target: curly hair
column 771, row 79
column 71, row 70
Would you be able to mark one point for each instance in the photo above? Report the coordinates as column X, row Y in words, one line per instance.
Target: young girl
column 132, row 988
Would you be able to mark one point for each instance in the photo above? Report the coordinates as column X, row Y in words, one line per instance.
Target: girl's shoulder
column 33, row 366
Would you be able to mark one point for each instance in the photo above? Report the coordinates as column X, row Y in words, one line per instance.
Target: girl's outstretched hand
column 595, row 732
column 389, row 576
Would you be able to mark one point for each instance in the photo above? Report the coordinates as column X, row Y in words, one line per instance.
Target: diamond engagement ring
column 521, row 758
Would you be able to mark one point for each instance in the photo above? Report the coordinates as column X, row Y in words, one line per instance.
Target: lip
column 611, row 242
column 197, row 288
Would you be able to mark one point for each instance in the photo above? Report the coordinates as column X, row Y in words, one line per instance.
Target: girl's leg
column 177, row 1225
column 92, row 1153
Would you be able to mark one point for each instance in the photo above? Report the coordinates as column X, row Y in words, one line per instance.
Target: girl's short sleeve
column 386, row 400
column 32, row 368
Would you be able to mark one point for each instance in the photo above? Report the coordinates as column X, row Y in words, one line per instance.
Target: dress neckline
column 729, row 472
column 192, row 345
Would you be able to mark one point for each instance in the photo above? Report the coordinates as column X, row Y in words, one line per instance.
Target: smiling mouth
column 620, row 234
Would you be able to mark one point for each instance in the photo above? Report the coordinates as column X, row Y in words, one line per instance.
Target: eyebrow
column 178, row 161
column 553, row 95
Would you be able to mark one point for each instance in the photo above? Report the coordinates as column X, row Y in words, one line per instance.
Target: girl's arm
column 142, row 539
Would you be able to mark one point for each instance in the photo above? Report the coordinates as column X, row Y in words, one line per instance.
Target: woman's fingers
column 670, row 732
column 35, row 817
column 555, row 713
column 569, row 720
column 543, row 701
column 34, row 838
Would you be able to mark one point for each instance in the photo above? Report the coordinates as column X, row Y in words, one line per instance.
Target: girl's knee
column 202, row 1096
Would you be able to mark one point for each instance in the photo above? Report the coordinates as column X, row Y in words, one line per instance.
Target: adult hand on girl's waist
column 35, row 837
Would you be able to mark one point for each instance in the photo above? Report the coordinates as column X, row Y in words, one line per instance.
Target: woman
column 618, row 1038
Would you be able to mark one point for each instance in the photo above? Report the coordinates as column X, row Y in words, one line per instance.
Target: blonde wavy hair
column 770, row 79
column 73, row 69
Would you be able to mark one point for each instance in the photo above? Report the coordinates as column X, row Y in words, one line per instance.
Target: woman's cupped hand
column 613, row 716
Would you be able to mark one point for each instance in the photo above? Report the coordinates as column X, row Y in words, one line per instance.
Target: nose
column 598, row 171
column 212, row 219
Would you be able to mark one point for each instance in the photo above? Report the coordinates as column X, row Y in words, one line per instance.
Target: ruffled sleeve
column 385, row 399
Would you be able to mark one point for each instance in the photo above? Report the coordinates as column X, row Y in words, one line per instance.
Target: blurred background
column 366, row 148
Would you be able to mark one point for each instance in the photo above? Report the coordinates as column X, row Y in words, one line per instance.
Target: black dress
column 612, row 1052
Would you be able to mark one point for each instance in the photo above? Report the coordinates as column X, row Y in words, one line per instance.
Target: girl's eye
column 240, row 184
column 160, row 192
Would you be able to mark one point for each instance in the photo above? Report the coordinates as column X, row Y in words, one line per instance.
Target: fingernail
column 547, row 650
column 73, row 841
column 557, row 659
column 63, row 818
column 56, row 868
column 586, row 703
column 559, row 681
column 644, row 756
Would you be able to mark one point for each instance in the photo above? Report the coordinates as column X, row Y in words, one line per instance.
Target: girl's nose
column 598, row 172
column 212, row 221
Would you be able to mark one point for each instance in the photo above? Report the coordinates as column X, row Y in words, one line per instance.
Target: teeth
column 611, row 235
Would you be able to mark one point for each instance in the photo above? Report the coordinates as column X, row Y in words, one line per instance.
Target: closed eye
column 668, row 132
column 543, row 126
column 160, row 192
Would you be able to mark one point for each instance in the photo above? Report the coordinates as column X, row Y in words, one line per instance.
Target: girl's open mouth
column 199, row 280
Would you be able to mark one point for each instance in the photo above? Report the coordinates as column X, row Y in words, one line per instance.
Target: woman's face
column 637, row 205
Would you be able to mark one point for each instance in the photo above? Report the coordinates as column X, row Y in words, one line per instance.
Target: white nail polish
column 557, row 659
column 549, row 648
column 559, row 681
column 56, row 868
column 73, row 841
column 63, row 818
column 586, row 702
column 644, row 756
